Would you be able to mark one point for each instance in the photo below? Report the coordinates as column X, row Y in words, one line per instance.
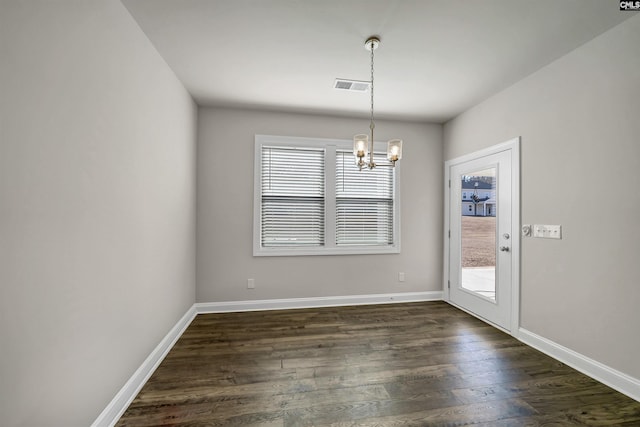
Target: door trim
column 514, row 146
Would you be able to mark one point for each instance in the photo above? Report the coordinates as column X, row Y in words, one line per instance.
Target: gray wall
column 97, row 207
column 578, row 118
column 225, row 213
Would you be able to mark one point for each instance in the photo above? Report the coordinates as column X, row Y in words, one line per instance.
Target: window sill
column 356, row 250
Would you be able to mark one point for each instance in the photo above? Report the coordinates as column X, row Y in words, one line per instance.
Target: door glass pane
column 478, row 232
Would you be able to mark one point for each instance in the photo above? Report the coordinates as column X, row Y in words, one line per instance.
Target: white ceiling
column 437, row 58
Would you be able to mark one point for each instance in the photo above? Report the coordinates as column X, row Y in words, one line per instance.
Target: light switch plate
column 547, row 231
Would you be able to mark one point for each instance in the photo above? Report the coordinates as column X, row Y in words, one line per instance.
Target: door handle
column 504, row 248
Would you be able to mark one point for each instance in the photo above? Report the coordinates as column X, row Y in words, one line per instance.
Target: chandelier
column 363, row 143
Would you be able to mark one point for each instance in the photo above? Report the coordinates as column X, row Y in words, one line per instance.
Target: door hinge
column 449, row 284
column 449, row 233
column 449, row 183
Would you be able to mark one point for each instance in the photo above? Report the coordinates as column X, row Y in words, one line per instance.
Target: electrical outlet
column 401, row 276
column 251, row 284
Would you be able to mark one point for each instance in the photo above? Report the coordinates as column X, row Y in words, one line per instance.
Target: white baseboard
column 280, row 304
column 615, row 379
column 112, row 413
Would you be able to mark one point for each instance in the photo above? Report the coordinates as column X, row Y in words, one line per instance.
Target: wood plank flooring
column 417, row 364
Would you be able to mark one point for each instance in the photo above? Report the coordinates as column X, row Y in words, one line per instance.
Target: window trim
column 329, row 248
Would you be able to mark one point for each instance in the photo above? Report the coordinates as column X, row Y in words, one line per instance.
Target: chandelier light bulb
column 361, row 145
column 394, row 150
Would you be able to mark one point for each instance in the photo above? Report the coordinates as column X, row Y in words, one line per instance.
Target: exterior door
column 482, row 240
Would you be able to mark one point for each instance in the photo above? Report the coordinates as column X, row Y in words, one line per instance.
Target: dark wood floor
column 418, row 364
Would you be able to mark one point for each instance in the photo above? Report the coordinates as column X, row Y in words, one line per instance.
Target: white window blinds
column 292, row 182
column 364, row 202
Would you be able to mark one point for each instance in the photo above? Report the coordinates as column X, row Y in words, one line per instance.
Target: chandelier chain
column 372, row 125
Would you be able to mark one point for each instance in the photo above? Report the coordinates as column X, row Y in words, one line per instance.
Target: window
column 364, row 202
column 292, row 196
column 311, row 199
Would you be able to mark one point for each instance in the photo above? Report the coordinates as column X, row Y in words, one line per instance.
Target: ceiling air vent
column 351, row 85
